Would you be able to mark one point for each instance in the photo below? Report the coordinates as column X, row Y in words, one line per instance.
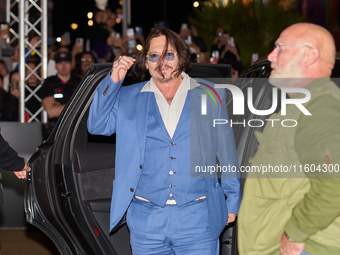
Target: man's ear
column 311, row 56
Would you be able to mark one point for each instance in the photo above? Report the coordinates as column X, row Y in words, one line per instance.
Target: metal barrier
column 26, row 17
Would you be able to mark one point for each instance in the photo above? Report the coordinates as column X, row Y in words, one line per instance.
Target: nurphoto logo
column 204, row 97
column 238, row 104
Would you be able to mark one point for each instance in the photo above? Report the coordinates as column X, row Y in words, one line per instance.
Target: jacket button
column 170, row 185
column 132, row 190
column 172, row 143
column 171, row 172
column 140, row 166
column 171, row 158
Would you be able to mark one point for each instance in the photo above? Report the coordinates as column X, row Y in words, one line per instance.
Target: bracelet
column 289, row 239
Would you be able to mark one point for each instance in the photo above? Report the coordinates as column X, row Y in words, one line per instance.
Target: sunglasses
column 86, row 59
column 169, row 56
column 277, row 46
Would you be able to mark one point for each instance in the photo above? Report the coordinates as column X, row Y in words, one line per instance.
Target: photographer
column 228, row 50
column 198, row 49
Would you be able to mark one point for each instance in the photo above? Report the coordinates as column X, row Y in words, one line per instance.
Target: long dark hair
column 172, row 39
column 77, row 69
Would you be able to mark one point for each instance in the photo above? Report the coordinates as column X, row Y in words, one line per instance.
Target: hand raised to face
column 120, row 68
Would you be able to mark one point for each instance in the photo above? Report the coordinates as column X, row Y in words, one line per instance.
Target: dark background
column 144, row 13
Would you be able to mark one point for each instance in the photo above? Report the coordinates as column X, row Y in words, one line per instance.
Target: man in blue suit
column 166, row 151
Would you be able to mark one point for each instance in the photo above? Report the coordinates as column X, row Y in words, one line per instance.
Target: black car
column 68, row 191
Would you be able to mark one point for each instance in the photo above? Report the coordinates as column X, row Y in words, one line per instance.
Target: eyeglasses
column 86, row 59
column 169, row 56
column 278, row 45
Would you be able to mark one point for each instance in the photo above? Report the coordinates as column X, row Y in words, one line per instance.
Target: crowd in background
column 68, row 62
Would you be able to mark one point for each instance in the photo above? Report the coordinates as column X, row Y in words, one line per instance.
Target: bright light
column 90, row 23
column 58, row 95
column 90, row 15
column 118, row 20
column 196, row 4
column 139, row 47
column 74, row 26
column 58, row 39
column 121, row 2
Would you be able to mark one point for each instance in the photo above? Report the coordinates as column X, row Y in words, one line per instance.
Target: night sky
column 143, row 13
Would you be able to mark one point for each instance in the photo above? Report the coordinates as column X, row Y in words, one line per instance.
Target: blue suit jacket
column 123, row 110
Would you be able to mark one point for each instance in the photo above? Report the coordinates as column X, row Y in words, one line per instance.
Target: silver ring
column 119, row 58
column 118, row 62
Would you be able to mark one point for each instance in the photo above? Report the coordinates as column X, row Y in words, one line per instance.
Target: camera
column 184, row 26
column 15, row 85
column 139, row 32
column 231, row 41
column 255, row 56
column 80, row 41
column 131, row 40
column 188, row 40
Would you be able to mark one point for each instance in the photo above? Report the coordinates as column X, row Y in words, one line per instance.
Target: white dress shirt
column 171, row 112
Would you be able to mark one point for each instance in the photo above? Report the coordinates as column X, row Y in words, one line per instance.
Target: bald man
column 297, row 212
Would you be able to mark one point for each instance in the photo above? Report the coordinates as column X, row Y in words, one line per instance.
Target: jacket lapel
column 155, row 111
column 185, row 115
column 142, row 109
column 197, row 121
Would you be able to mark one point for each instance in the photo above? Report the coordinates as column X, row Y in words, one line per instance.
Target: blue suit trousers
column 170, row 229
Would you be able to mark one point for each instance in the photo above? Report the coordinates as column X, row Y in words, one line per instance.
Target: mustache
column 158, row 68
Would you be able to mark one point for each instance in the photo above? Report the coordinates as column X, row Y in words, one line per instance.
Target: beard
column 289, row 75
column 164, row 78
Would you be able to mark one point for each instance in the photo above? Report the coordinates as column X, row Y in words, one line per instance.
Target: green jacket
column 304, row 200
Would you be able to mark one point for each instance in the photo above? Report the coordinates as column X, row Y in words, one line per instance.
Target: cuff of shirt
column 296, row 234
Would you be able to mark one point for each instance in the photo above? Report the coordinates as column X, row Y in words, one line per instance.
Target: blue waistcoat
column 167, row 161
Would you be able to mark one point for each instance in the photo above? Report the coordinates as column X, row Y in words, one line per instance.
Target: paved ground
column 30, row 241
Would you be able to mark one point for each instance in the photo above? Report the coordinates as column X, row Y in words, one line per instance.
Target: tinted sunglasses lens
column 169, row 56
column 154, row 58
